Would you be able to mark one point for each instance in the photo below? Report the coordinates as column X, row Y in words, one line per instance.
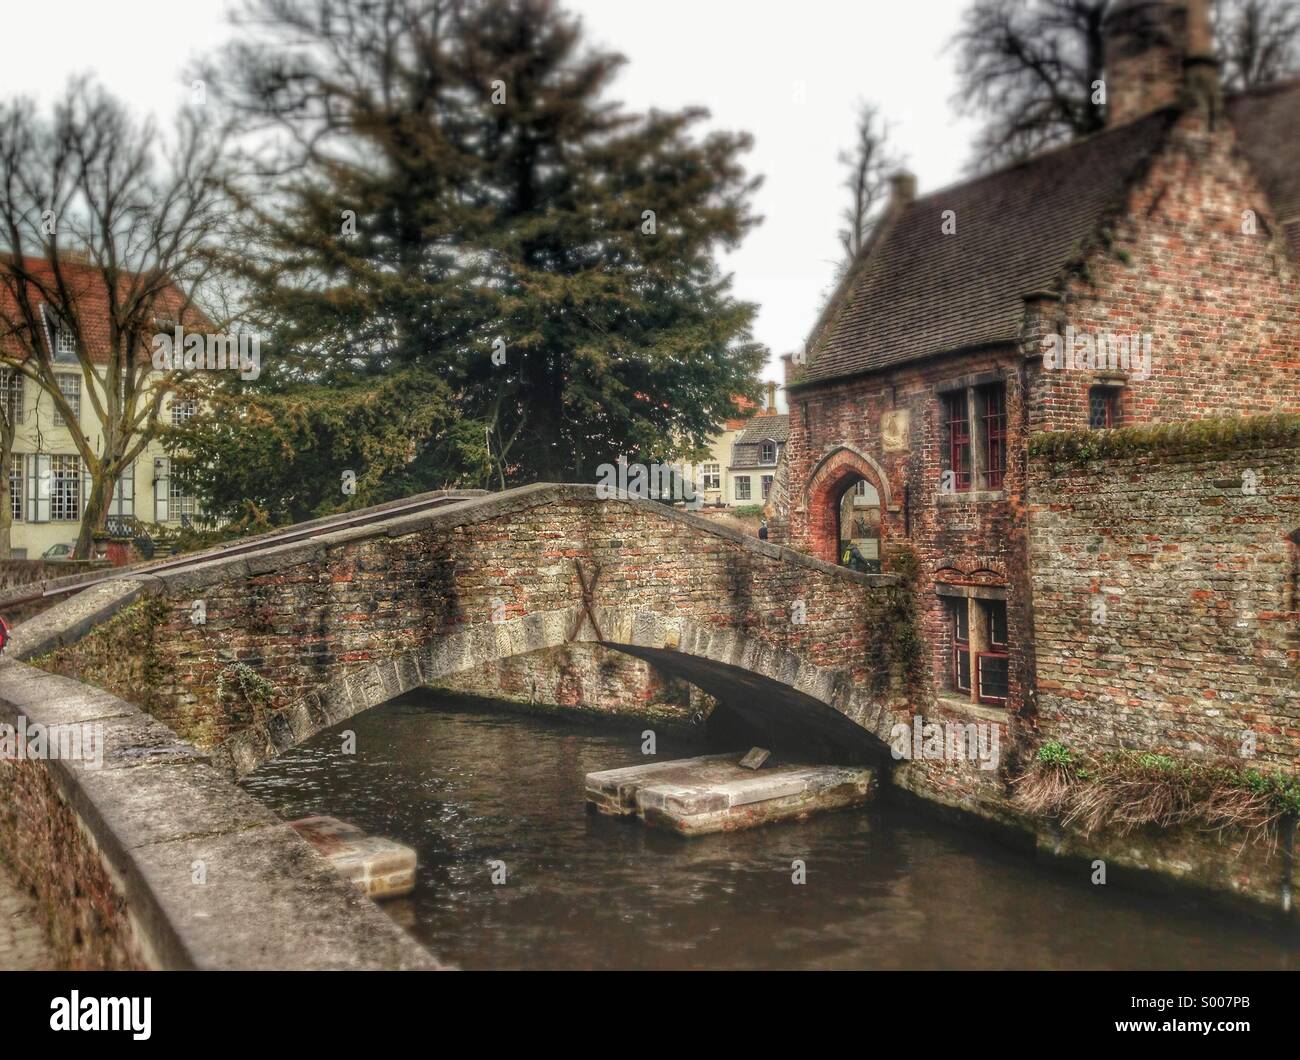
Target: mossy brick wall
column 336, row 608
column 1165, row 583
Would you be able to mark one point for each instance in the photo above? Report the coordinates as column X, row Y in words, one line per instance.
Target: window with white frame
column 11, row 393
column 65, row 488
column 711, row 477
column 179, row 502
column 767, row 485
column 183, row 410
column 742, row 488
column 65, row 342
column 16, row 496
column 70, row 388
column 767, row 453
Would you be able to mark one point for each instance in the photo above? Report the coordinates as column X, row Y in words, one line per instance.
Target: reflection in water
column 886, row 888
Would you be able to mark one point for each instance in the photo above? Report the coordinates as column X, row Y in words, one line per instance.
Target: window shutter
column 161, row 479
column 41, row 488
column 83, row 483
column 127, row 485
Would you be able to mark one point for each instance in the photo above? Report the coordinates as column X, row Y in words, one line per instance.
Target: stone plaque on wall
column 894, row 430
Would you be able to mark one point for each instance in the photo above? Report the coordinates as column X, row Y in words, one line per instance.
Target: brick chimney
column 1159, row 53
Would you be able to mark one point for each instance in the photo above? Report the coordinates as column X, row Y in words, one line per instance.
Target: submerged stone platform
column 714, row 793
column 381, row 868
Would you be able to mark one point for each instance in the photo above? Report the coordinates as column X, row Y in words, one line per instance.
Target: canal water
column 886, row 887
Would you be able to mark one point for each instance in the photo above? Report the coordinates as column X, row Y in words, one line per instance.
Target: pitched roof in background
column 745, row 408
column 1267, row 121
column 773, row 427
column 919, row 293
column 87, row 289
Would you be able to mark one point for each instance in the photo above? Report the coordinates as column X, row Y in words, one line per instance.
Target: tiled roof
column 918, row 292
column 766, row 427
column 1268, row 124
column 87, row 290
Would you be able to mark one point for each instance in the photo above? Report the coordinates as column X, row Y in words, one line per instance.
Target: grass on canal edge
column 1127, row 790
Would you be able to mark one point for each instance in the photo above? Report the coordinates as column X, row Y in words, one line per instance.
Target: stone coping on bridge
column 200, row 875
column 207, row 571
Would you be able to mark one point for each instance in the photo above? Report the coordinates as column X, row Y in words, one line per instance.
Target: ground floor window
column 179, row 503
column 767, row 485
column 124, row 494
column 1103, row 408
column 742, row 488
column 980, row 648
column 65, row 488
column 16, row 462
column 711, row 477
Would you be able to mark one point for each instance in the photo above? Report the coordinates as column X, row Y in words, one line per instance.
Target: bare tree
column 1257, row 41
column 869, row 164
column 1031, row 69
column 105, row 231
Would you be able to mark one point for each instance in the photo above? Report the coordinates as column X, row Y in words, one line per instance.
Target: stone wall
column 1165, row 580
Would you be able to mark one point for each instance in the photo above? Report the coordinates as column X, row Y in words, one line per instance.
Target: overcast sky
column 790, row 73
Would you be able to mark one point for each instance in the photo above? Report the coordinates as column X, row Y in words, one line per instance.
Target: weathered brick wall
column 977, row 537
column 1215, row 289
column 1165, row 592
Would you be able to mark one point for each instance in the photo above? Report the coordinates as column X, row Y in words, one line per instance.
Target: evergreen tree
column 459, row 211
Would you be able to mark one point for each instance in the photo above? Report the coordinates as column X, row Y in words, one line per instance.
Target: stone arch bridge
column 249, row 655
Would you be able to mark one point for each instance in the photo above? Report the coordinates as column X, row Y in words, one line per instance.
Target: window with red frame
column 960, row 646
column 992, row 667
column 1103, row 408
column 959, row 440
column 993, row 400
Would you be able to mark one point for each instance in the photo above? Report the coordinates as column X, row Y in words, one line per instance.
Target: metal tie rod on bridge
column 271, row 539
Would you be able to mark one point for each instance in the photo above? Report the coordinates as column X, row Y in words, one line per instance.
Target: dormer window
column 767, row 453
column 65, row 342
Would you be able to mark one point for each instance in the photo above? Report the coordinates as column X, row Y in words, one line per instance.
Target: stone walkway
column 23, row 944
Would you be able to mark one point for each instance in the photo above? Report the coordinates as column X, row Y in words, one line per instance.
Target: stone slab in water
column 379, row 867
column 714, row 793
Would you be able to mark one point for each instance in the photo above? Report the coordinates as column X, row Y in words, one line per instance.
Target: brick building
column 1145, row 274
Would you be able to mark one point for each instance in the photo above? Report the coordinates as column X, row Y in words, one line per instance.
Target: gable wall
column 1221, row 305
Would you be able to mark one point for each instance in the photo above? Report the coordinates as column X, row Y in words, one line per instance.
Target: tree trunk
column 101, row 497
column 6, row 518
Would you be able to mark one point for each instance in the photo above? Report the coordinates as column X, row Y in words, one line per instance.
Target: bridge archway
column 775, row 691
column 830, row 485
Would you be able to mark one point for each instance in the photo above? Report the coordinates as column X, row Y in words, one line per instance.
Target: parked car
column 60, row 551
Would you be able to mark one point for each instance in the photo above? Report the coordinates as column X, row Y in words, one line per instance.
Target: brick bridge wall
column 1165, row 581
column 297, row 638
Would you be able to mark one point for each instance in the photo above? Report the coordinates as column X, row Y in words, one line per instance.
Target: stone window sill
column 983, row 711
column 971, row 497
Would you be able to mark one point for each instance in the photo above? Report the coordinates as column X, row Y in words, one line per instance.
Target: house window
column 16, row 462
column 65, row 488
column 993, row 403
column 711, row 476
column 767, row 485
column 960, row 622
column 183, row 410
column 959, row 445
column 742, row 487
column 11, row 393
column 65, row 343
column 70, row 388
column 767, row 453
column 992, row 667
column 179, row 503
column 1103, row 408
column 980, row 649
